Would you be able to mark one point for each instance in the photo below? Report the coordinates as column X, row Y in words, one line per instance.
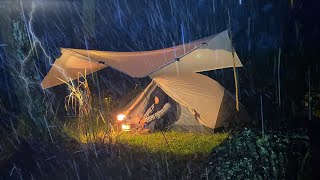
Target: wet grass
column 179, row 143
column 167, row 155
column 95, row 151
column 174, row 142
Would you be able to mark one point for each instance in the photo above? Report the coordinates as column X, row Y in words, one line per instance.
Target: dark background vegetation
column 263, row 32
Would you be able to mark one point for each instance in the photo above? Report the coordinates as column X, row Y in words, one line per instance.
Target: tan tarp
column 67, row 67
column 135, row 64
column 215, row 54
column 210, row 53
column 141, row 64
column 197, row 92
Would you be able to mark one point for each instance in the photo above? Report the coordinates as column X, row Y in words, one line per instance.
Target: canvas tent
column 204, row 103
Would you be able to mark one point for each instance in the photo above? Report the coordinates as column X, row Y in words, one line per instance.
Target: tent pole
column 235, row 74
column 234, row 65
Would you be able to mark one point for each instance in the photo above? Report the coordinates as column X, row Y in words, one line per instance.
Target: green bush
column 252, row 155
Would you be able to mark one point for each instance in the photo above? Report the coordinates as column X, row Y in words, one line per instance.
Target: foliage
column 96, row 125
column 79, row 98
column 90, row 128
column 22, row 61
column 252, row 155
column 315, row 101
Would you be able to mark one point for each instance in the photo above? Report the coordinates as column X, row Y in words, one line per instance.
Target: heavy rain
column 159, row 89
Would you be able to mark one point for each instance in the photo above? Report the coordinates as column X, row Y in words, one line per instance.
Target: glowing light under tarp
column 125, row 127
column 121, row 117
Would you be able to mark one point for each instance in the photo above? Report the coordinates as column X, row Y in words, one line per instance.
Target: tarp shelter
column 203, row 101
column 213, row 52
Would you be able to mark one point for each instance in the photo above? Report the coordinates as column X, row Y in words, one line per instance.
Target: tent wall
column 188, row 122
column 197, row 92
column 138, row 105
column 228, row 115
column 185, row 118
